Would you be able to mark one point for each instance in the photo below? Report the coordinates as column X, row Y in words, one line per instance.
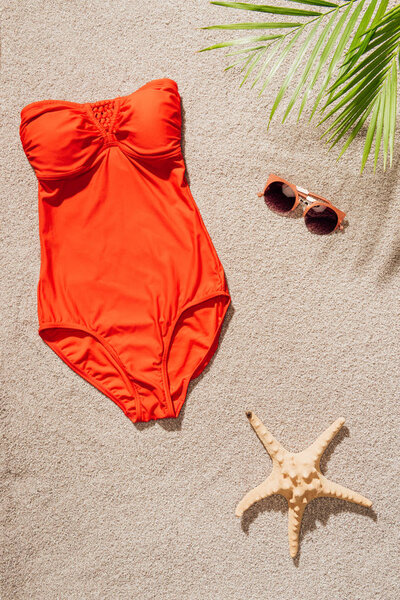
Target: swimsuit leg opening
column 57, row 336
column 192, row 341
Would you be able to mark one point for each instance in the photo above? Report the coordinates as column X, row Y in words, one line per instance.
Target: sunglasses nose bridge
column 302, row 191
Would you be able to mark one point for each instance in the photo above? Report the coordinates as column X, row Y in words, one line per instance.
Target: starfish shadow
column 323, row 508
column 277, row 503
column 339, row 437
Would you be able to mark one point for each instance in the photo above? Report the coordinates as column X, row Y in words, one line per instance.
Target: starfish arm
column 272, row 446
column 322, row 442
column 295, row 517
column 334, row 490
column 265, row 489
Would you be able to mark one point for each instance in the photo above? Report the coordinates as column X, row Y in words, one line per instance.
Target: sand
column 96, row 507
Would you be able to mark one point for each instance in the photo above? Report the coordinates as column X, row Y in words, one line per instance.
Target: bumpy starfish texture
column 297, row 477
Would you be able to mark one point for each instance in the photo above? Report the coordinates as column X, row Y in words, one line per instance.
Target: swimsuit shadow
column 176, row 424
column 183, row 141
column 319, row 509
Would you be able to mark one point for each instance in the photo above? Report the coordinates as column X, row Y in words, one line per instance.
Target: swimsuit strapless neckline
column 152, row 82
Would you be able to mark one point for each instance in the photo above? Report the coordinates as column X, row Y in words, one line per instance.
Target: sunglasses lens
column 321, row 219
column 280, row 197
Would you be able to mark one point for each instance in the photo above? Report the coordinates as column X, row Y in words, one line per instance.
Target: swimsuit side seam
column 210, row 242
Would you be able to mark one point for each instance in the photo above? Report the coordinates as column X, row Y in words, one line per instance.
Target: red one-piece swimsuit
column 131, row 292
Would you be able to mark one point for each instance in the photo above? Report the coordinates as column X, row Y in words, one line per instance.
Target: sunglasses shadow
column 297, row 213
column 345, row 225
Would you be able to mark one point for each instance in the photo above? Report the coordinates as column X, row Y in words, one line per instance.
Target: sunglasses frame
column 309, row 199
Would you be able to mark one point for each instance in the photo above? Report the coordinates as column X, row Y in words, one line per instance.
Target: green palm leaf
column 323, row 57
column 393, row 107
column 267, row 25
column 317, row 3
column 245, row 58
column 372, row 129
column 361, row 39
column 269, row 57
column 348, row 53
column 341, row 35
column 369, row 87
column 243, row 50
column 281, row 58
column 273, row 10
column 309, row 66
column 294, row 67
column 242, row 41
column 257, row 57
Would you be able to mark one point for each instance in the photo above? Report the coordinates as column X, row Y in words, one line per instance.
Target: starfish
column 297, row 477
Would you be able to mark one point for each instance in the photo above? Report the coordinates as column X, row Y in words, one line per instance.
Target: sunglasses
column 320, row 216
